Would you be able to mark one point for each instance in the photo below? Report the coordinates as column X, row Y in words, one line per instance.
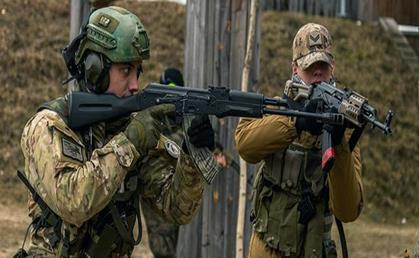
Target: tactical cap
column 116, row 33
column 312, row 43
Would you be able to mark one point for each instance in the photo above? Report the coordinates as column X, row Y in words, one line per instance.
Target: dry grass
column 367, row 239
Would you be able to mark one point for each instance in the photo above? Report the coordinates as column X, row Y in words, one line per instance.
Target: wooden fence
column 214, row 54
column 339, row 8
column 403, row 11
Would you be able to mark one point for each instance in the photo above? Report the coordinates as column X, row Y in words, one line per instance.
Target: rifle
column 352, row 106
column 88, row 108
column 340, row 106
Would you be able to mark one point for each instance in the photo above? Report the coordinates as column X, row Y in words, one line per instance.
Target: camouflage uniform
column 290, row 175
column 77, row 185
column 92, row 178
column 162, row 236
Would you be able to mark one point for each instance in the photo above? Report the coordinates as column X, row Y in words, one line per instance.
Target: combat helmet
column 112, row 34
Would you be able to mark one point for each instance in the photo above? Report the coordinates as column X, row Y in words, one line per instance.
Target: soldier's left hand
column 145, row 127
column 201, row 133
column 336, row 131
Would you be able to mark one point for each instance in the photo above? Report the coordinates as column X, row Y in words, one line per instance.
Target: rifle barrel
column 329, row 118
column 275, row 102
column 375, row 123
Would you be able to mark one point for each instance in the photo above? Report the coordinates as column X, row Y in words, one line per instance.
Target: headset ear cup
column 103, row 83
column 93, row 67
column 96, row 70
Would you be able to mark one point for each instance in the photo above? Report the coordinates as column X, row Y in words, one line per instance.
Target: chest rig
column 110, row 233
column 290, row 202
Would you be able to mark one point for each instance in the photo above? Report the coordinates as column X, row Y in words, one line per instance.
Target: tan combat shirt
column 258, row 138
column 76, row 188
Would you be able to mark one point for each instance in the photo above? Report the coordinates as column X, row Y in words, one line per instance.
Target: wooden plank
column 79, row 12
column 190, row 236
column 403, row 11
column 401, row 43
column 353, row 9
column 301, row 5
column 255, row 67
column 291, row 6
column 317, row 9
column 310, row 6
column 214, row 51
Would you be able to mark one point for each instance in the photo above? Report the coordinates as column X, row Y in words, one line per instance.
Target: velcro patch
column 315, row 39
column 71, row 149
column 172, row 148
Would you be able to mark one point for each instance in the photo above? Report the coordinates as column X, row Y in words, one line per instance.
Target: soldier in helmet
column 86, row 183
column 293, row 202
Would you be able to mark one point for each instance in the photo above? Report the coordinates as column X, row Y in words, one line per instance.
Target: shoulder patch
column 71, row 149
column 172, row 148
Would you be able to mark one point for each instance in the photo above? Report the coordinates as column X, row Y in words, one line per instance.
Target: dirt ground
column 365, row 239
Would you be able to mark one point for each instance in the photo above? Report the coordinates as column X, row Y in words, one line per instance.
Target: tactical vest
column 290, row 204
column 110, row 232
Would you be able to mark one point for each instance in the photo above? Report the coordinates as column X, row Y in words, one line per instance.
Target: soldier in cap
column 293, row 202
column 86, row 183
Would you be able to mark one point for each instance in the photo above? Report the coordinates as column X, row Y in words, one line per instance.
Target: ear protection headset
column 96, row 72
column 93, row 68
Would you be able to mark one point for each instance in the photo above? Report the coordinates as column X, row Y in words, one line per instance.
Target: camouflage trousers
column 162, row 235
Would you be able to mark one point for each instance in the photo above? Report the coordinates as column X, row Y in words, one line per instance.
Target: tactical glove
column 336, row 131
column 310, row 124
column 145, row 127
column 201, row 133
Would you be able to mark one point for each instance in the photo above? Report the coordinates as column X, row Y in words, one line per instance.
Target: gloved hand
column 201, row 133
column 310, row 124
column 145, row 127
column 336, row 131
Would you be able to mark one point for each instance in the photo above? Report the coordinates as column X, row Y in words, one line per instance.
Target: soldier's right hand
column 145, row 127
column 310, row 124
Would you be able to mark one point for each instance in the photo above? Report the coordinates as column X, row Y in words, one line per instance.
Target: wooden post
column 243, row 165
column 214, row 54
column 79, row 12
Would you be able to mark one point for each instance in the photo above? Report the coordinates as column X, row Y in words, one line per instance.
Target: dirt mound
column 33, row 32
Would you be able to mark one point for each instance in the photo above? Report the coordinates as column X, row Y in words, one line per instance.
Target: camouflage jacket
column 77, row 184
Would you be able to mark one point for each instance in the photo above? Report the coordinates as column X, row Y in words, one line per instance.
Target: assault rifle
column 88, row 108
column 340, row 106
column 352, row 106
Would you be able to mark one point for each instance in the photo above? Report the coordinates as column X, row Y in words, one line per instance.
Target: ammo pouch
column 288, row 202
column 111, row 231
